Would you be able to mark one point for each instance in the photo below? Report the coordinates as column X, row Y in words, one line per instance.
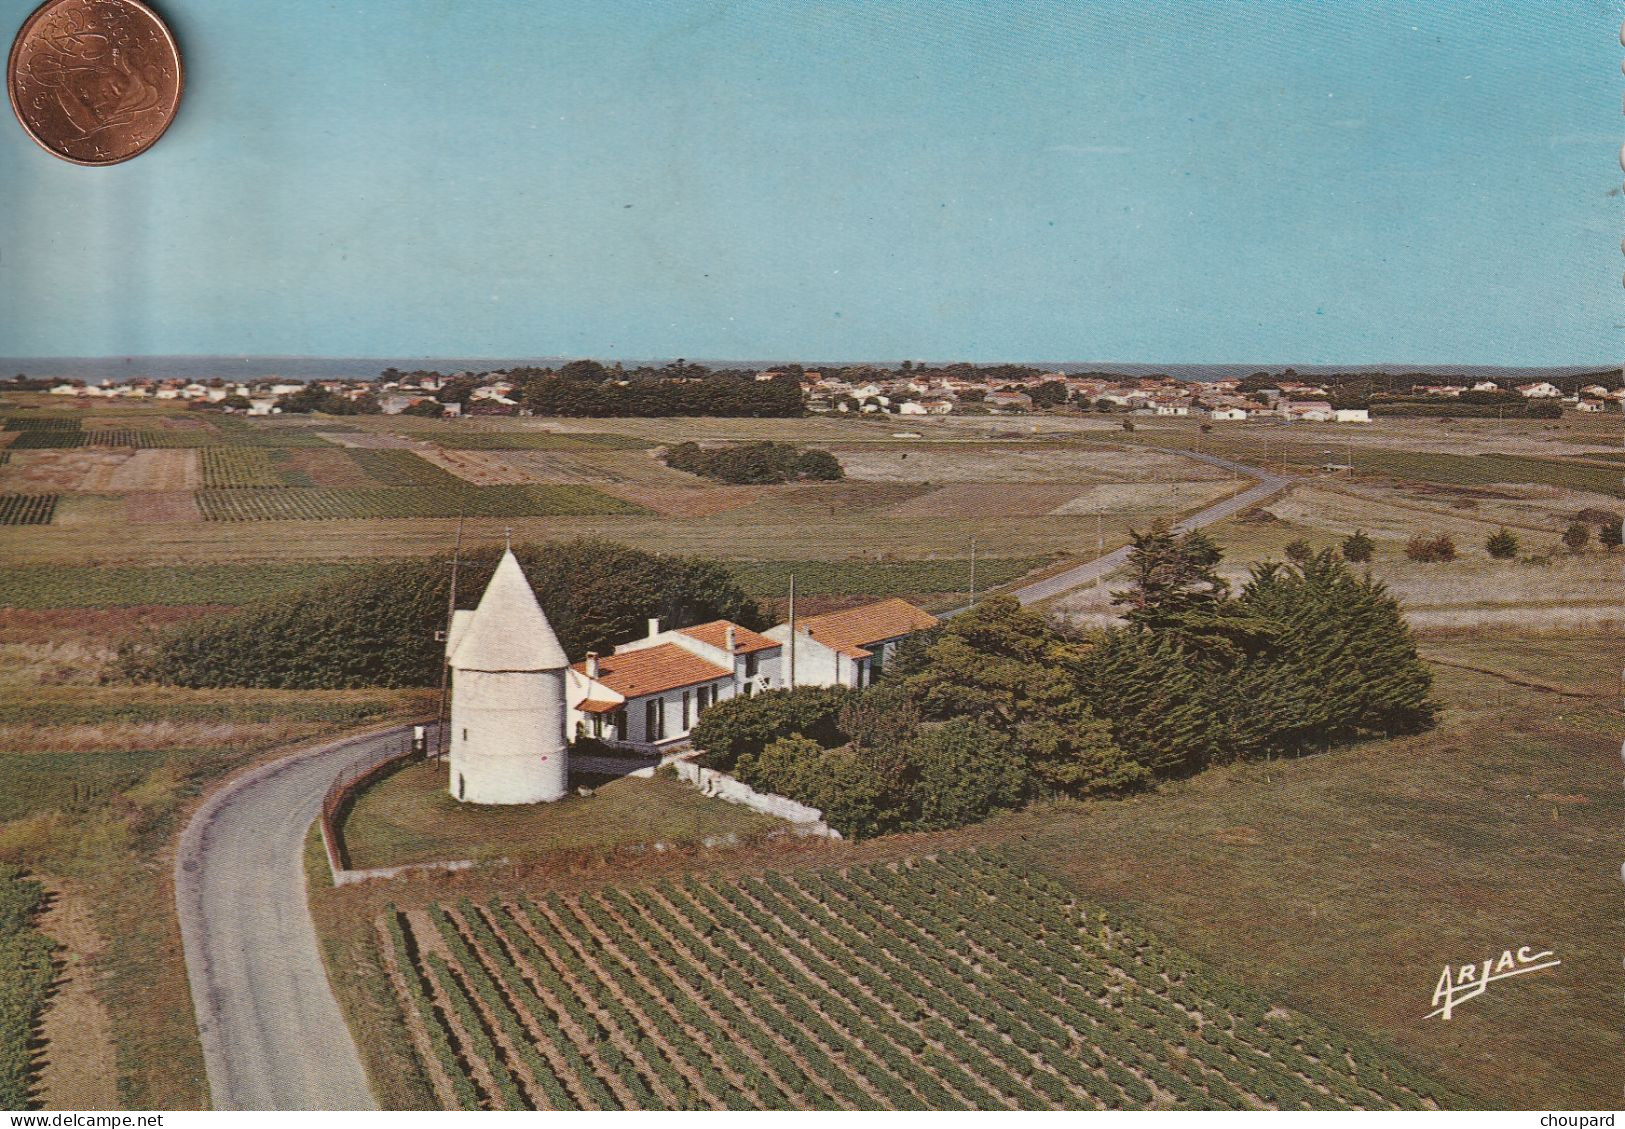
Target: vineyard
column 27, row 971
column 230, row 468
column 28, row 509
column 258, row 503
column 952, row 983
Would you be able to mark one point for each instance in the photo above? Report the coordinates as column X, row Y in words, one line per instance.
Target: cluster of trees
column 315, row 398
column 751, row 464
column 27, row 972
column 586, row 388
column 997, row 706
column 378, row 628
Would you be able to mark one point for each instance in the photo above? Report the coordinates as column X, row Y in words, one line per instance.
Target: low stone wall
column 807, row 821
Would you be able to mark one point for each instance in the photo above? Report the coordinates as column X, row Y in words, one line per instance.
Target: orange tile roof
column 715, row 634
column 599, row 705
column 651, row 670
column 855, row 629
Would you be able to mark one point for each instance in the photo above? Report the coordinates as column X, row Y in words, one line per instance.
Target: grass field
column 955, row 982
column 409, row 816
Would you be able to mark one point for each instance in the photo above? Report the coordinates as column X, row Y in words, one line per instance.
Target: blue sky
column 1266, row 182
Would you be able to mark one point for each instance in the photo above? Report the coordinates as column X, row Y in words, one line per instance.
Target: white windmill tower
column 507, row 697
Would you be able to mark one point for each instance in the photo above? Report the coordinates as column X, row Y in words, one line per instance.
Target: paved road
column 273, row 1036
column 1269, row 484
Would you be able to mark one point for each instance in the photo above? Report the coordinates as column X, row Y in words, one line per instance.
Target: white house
column 1351, row 415
column 1540, row 390
column 851, row 647
column 1486, row 386
column 1228, row 413
column 1310, row 411
column 650, row 692
column 1589, row 406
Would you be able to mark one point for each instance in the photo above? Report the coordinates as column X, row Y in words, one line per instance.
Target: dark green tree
column 1358, row 547
column 1502, row 544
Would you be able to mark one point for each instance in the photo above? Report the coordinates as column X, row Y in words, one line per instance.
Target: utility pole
column 443, row 726
column 973, row 571
column 792, row 652
column 1100, row 543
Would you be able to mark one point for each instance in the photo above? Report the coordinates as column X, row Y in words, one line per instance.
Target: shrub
column 739, row 727
column 1299, row 550
column 1502, row 544
column 1608, row 533
column 1358, row 547
column 1431, row 550
column 1577, row 536
column 966, row 772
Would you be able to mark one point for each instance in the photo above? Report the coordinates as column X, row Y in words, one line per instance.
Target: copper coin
column 94, row 82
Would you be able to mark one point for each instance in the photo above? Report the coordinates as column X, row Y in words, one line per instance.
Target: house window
column 687, row 711
column 654, row 719
column 750, row 665
column 618, row 721
column 465, row 734
column 597, row 725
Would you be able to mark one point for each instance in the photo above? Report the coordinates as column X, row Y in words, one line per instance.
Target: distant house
column 1227, row 413
column 1486, row 386
column 1309, row 411
column 1540, row 390
column 263, row 406
column 1009, row 401
column 1589, row 406
column 850, row 648
column 1351, row 415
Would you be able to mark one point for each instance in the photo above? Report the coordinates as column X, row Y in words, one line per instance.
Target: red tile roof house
column 849, row 648
column 649, row 694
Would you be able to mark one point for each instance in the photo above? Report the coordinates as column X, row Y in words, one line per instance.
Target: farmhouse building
column 650, row 692
column 850, row 648
column 515, row 699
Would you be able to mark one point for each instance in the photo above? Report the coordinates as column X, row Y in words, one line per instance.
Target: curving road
column 273, row 1036
column 1269, row 484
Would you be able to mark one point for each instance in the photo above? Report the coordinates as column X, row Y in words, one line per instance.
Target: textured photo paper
column 810, row 556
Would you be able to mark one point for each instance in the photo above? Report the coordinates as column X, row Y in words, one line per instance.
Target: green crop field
column 959, row 982
column 402, row 468
column 226, row 468
column 45, row 586
column 285, row 504
column 28, row 509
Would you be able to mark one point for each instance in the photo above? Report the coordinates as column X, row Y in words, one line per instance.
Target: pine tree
column 1358, row 547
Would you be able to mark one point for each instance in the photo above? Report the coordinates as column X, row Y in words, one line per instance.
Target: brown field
column 160, row 469
column 327, row 467
column 482, row 468
column 686, row 501
column 975, row 499
column 519, row 468
column 52, row 471
column 161, row 508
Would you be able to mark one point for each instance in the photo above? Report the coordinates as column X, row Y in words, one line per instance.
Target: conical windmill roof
column 508, row 631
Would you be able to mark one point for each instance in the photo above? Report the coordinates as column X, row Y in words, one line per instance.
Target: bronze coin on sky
column 94, row 82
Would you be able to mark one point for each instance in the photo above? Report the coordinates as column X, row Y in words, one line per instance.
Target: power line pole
column 443, row 725
column 973, row 571
column 792, row 653
column 1100, row 544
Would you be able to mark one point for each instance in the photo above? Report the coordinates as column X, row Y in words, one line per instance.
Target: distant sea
column 97, row 370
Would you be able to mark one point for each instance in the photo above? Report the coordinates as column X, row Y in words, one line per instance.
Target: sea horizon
column 306, row 368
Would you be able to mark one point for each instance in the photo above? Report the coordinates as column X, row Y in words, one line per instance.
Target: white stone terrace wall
column 807, row 821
